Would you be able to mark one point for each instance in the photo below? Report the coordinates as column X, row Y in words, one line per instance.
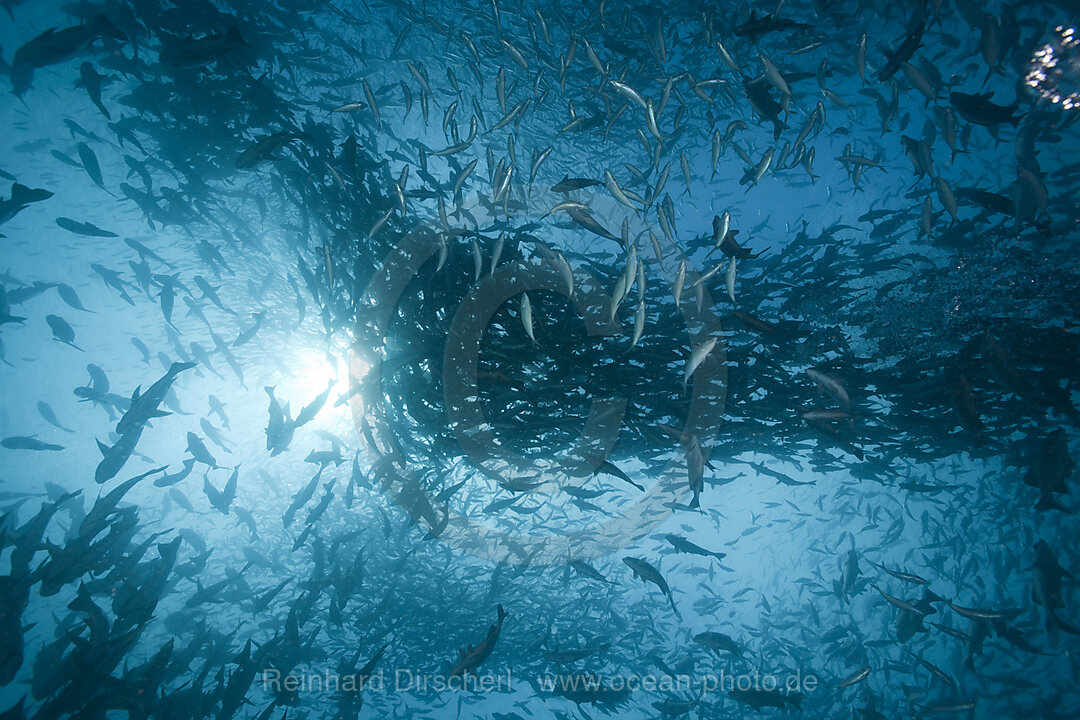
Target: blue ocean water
column 523, row 360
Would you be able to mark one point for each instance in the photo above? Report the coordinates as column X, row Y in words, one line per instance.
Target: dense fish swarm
column 506, row 360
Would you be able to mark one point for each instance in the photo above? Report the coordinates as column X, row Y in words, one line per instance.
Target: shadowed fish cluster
column 785, row 293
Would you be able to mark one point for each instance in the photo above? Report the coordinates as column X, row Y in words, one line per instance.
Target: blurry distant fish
column 718, row 642
column 912, row 41
column 69, row 296
column 115, row 456
column 1050, row 468
column 144, row 404
column 472, row 657
column 763, row 103
column 10, row 6
column 62, row 331
column 21, row 198
column 83, row 228
column 683, row 545
column 146, row 253
column 50, row 415
column 568, row 184
column 198, row 451
column 1047, row 590
column 607, row 467
column 24, row 442
column 91, row 81
column 55, row 46
column 200, row 52
column 586, row 570
column 143, row 350
column 265, row 147
column 758, row 698
column 648, row 573
column 587, row 221
column 171, row 479
column 979, row 110
column 926, row 314
column 222, row 499
column 756, row 26
column 90, row 164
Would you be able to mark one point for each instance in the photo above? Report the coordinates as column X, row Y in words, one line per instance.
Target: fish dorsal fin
column 103, row 447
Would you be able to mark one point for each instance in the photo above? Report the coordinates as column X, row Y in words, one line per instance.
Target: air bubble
column 1054, row 73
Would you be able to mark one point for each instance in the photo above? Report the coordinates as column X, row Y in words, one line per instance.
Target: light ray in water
column 514, row 359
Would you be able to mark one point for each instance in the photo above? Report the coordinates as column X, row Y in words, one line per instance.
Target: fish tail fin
column 1054, row 623
column 1048, row 502
column 233, row 35
column 20, row 193
column 933, row 596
